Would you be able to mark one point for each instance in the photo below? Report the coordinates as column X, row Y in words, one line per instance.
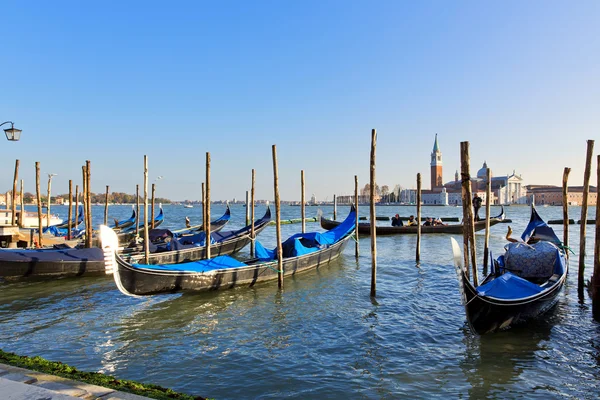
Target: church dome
column 482, row 173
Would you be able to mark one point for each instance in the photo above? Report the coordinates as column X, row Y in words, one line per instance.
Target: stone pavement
column 23, row 384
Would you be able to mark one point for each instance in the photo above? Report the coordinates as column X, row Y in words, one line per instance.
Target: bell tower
column 436, row 166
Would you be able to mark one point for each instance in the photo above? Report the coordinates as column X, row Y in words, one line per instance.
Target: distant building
column 436, row 166
column 507, row 189
column 552, row 195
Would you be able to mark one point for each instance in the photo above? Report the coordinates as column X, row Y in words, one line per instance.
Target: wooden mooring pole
column 277, row 220
column 565, row 202
column 146, row 235
column 302, row 202
column 152, row 205
column 247, row 208
column 373, row 215
column 88, row 195
column 203, row 207
column 38, row 192
column 596, row 276
column 488, row 204
column 334, row 207
column 418, row 251
column 84, row 201
column 70, row 215
column 468, row 225
column 106, row 205
column 76, row 202
column 49, row 197
column 356, row 250
column 584, row 213
column 137, row 212
column 14, row 194
column 207, row 240
column 22, row 214
column 252, row 233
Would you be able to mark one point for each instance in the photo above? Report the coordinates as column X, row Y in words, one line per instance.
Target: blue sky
column 111, row 81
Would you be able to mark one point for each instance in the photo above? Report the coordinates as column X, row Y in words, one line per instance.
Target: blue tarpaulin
column 220, row 262
column 304, row 243
column 509, row 287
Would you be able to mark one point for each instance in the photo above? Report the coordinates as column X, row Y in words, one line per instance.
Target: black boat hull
column 486, row 315
column 52, row 264
column 140, row 281
column 365, row 228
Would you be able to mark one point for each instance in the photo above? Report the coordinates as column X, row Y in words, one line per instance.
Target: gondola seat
column 534, row 264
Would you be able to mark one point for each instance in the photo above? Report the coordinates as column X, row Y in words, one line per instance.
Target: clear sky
column 111, row 81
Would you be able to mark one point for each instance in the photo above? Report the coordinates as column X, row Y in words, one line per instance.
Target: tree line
column 116, row 197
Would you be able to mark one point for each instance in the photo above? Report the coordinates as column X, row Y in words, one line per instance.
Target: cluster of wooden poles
column 469, row 252
column 73, row 199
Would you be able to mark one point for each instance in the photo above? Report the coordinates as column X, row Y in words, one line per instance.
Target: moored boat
column 523, row 283
column 191, row 247
column 301, row 252
column 365, row 227
column 126, row 223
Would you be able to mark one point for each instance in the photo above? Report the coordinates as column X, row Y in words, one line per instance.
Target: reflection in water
column 493, row 362
column 321, row 337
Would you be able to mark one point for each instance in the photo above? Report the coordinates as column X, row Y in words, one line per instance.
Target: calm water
column 321, row 337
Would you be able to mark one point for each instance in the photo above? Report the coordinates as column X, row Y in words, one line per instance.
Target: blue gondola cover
column 509, row 286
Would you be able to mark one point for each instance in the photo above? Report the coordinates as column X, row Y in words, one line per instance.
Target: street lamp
column 12, row 133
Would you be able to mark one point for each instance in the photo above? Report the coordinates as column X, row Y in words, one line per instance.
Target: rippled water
column 322, row 336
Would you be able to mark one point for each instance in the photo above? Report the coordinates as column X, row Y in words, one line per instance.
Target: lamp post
column 50, row 176
column 12, row 133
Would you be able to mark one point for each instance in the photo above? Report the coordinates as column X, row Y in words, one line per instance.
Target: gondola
column 215, row 225
column 185, row 248
column 56, row 262
column 523, row 283
column 365, row 227
column 128, row 234
column 301, row 252
column 126, row 223
column 60, row 261
column 74, row 224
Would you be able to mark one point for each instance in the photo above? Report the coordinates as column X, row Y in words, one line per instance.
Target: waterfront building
column 552, row 195
column 506, row 189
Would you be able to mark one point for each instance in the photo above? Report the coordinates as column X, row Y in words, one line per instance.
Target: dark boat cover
column 16, row 255
column 304, row 243
column 538, row 229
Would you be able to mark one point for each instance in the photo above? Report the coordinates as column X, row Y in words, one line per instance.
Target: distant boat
column 188, row 206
